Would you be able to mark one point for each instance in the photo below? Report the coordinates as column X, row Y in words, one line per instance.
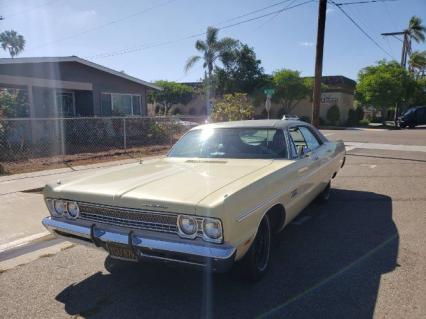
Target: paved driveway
column 362, row 255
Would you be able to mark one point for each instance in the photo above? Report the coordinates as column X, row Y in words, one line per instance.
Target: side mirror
column 303, row 151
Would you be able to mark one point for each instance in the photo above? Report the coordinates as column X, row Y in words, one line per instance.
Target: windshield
column 409, row 111
column 231, row 143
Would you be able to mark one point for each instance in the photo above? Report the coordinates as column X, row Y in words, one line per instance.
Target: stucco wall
column 304, row 107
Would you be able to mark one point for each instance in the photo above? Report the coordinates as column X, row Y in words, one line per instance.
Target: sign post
column 268, row 93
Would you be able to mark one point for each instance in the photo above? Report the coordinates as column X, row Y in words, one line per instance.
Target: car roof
column 253, row 123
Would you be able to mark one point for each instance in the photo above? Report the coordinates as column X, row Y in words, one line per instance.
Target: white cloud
column 307, row 44
column 330, row 10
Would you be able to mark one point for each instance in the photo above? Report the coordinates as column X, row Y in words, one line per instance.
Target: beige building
column 339, row 91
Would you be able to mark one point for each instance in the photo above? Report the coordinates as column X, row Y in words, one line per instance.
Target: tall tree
column 212, row 49
column 172, row 93
column 290, row 89
column 13, row 42
column 242, row 71
column 416, row 30
column 384, row 85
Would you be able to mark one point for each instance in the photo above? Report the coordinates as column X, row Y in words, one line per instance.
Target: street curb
column 34, row 255
column 24, row 241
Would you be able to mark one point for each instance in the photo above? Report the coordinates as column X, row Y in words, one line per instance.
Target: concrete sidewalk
column 22, row 206
column 27, row 181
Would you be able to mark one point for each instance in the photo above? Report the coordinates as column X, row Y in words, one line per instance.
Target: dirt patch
column 43, row 163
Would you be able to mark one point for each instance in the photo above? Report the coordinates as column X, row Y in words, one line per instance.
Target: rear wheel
column 256, row 261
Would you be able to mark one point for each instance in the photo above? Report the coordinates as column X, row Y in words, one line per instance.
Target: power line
column 95, row 28
column 361, row 2
column 157, row 44
column 253, row 12
column 273, row 17
column 362, row 30
column 138, row 13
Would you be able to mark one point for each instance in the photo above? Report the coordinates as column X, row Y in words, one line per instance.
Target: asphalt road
column 361, row 255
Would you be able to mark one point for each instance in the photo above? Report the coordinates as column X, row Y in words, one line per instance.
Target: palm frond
column 211, row 36
column 201, row 46
column 226, row 44
column 416, row 30
column 191, row 62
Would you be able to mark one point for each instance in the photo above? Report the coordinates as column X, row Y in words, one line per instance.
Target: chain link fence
column 52, row 141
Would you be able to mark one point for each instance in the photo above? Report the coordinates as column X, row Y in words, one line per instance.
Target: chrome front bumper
column 147, row 245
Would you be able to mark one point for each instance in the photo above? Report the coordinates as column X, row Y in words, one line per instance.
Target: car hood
column 168, row 184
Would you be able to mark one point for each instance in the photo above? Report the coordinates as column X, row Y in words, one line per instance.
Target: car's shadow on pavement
column 327, row 265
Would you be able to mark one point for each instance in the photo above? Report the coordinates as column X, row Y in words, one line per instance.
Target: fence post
column 171, row 131
column 124, row 134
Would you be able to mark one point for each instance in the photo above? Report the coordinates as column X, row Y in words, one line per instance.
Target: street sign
column 269, row 92
column 268, row 104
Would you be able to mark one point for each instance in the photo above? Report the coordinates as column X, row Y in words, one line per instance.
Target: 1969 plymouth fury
column 216, row 199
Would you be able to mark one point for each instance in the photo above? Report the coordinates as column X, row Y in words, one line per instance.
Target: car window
column 297, row 138
column 310, row 138
column 231, row 143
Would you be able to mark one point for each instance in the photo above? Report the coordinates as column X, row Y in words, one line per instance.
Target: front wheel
column 256, row 261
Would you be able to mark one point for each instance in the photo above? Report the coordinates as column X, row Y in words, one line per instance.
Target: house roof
column 78, row 60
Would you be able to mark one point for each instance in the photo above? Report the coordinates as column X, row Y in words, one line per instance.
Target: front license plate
column 121, row 251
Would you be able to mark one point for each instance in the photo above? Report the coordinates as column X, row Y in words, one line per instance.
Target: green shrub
column 333, row 115
column 359, row 113
column 364, row 122
column 176, row 111
column 354, row 116
column 233, row 107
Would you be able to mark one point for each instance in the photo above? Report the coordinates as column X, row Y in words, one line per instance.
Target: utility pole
column 318, row 62
column 406, row 49
column 405, row 45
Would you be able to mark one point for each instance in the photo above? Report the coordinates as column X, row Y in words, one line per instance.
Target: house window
column 66, row 103
column 117, row 104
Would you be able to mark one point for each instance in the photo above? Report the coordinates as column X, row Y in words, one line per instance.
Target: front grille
column 132, row 218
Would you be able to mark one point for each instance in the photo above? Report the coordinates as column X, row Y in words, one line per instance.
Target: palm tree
column 12, row 41
column 417, row 62
column 212, row 50
column 416, row 30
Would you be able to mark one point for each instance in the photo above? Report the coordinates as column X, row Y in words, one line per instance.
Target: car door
column 306, row 169
column 420, row 116
column 318, row 156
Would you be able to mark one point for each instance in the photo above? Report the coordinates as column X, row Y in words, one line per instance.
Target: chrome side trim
column 247, row 213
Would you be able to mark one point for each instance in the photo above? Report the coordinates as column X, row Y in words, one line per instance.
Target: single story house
column 74, row 87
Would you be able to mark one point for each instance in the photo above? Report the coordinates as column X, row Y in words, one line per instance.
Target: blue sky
column 91, row 28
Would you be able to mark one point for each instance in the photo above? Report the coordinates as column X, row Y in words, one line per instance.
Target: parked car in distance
column 412, row 117
column 214, row 200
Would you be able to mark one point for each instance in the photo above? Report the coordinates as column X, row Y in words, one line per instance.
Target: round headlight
column 187, row 225
column 212, row 228
column 73, row 210
column 59, row 207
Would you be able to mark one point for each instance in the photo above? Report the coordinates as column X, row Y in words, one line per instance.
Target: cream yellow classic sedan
column 214, row 200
